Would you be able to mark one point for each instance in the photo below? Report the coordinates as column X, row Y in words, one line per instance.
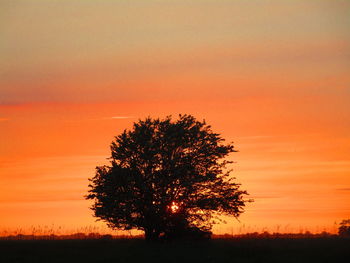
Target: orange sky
column 272, row 76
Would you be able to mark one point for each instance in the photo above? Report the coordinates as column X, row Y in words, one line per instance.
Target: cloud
column 265, row 196
column 257, row 137
column 111, row 118
column 343, row 189
column 4, row 119
column 121, row 117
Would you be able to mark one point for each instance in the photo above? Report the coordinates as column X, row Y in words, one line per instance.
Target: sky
column 272, row 76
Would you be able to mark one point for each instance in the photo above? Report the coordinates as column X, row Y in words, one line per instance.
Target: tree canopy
column 166, row 178
column 344, row 228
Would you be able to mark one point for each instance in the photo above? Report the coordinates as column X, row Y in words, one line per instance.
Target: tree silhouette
column 344, row 228
column 166, row 178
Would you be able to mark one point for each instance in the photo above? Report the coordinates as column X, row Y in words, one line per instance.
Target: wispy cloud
column 110, row 118
column 257, row 137
column 122, row 117
column 343, row 189
column 278, row 136
column 265, row 196
column 4, row 119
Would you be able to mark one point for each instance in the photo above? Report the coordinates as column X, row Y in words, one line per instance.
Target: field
column 217, row 250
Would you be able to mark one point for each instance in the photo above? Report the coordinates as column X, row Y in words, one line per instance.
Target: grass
column 242, row 250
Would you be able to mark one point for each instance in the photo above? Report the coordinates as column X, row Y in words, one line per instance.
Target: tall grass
column 51, row 233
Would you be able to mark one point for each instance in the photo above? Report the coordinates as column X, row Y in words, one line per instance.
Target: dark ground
column 218, row 250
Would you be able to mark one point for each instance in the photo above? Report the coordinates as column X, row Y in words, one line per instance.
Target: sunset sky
column 272, row 76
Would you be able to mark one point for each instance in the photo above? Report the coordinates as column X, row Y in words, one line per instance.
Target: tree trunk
column 152, row 234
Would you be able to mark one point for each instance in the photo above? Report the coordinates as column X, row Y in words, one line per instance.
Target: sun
column 174, row 207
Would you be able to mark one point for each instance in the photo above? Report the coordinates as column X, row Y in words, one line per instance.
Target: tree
column 166, row 178
column 344, row 228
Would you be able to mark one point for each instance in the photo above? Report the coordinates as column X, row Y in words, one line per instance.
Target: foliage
column 344, row 229
column 164, row 177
